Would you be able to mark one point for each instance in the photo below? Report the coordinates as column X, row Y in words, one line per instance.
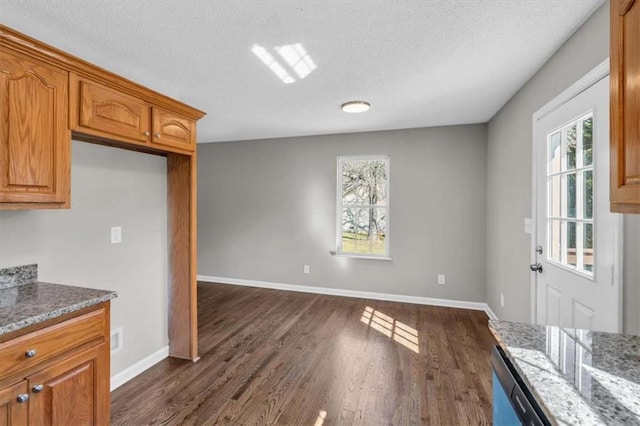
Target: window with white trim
column 363, row 206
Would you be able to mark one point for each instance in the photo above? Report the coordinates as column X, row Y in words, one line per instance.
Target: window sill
column 360, row 256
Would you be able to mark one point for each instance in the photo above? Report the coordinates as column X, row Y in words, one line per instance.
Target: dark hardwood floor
column 270, row 356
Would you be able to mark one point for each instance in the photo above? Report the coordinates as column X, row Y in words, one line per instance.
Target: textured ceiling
column 419, row 63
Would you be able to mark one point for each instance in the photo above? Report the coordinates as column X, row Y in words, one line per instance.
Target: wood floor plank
column 277, row 357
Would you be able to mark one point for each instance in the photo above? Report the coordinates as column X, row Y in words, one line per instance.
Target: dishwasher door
column 512, row 401
column 503, row 412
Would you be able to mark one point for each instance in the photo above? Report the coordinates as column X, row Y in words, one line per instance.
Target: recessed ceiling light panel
column 355, row 106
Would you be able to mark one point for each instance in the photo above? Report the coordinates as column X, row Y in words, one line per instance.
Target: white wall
column 109, row 187
column 509, row 177
column 267, row 207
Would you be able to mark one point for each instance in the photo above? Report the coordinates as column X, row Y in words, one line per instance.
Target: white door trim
column 592, row 77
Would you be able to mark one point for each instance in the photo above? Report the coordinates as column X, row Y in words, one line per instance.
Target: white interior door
column 578, row 239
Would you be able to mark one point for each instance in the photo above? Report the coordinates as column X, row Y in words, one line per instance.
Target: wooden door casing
column 34, row 137
column 625, row 106
column 12, row 412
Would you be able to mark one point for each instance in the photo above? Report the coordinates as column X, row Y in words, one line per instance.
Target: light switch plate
column 527, row 225
column 116, row 234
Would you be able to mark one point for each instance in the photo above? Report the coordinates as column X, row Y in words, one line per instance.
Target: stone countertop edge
column 521, row 373
column 55, row 313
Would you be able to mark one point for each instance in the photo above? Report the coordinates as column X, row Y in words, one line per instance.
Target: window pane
column 571, row 195
column 571, row 243
column 588, row 194
column 554, row 153
column 587, row 141
column 588, row 247
column 363, row 230
column 571, row 147
column 555, row 197
column 364, row 182
column 555, row 240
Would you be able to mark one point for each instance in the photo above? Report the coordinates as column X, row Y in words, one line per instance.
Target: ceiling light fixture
column 355, row 106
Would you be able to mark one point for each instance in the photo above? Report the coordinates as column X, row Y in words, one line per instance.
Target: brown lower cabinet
column 68, row 388
column 13, row 411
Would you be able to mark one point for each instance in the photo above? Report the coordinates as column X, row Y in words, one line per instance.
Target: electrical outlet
column 117, row 340
column 502, row 300
column 441, row 279
column 306, row 269
column 116, row 234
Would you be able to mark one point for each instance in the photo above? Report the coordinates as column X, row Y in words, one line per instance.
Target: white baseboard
column 492, row 315
column 476, row 306
column 144, row 364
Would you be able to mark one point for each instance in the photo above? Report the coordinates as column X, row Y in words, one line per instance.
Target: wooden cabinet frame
column 625, row 106
column 181, row 181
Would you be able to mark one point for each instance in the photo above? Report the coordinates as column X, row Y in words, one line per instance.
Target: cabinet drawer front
column 172, row 130
column 16, row 354
column 112, row 112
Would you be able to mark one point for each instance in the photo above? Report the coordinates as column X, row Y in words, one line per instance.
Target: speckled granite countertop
column 27, row 302
column 578, row 377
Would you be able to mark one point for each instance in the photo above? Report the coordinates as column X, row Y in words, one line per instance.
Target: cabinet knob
column 146, row 133
column 30, row 353
column 37, row 388
column 157, row 135
column 23, row 398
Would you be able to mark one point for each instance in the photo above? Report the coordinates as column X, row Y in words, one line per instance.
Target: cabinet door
column 172, row 130
column 71, row 392
column 34, row 131
column 625, row 106
column 106, row 112
column 14, row 411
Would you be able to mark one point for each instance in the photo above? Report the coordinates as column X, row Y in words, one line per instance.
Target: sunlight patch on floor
column 321, row 417
column 396, row 330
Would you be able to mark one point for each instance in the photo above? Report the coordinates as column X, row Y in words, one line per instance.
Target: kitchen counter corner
column 577, row 376
column 30, row 304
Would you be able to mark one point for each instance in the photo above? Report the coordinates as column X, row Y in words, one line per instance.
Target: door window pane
column 588, row 247
column 571, row 244
column 555, row 156
column 588, row 194
column 555, row 196
column 571, row 147
column 587, row 141
column 571, row 195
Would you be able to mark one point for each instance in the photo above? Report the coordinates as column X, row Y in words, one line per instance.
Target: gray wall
column 509, row 176
column 109, row 187
column 267, row 207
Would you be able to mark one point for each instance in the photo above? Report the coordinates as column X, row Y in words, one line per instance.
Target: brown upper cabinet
column 625, row 106
column 104, row 112
column 47, row 97
column 34, row 133
column 107, row 112
column 172, row 130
